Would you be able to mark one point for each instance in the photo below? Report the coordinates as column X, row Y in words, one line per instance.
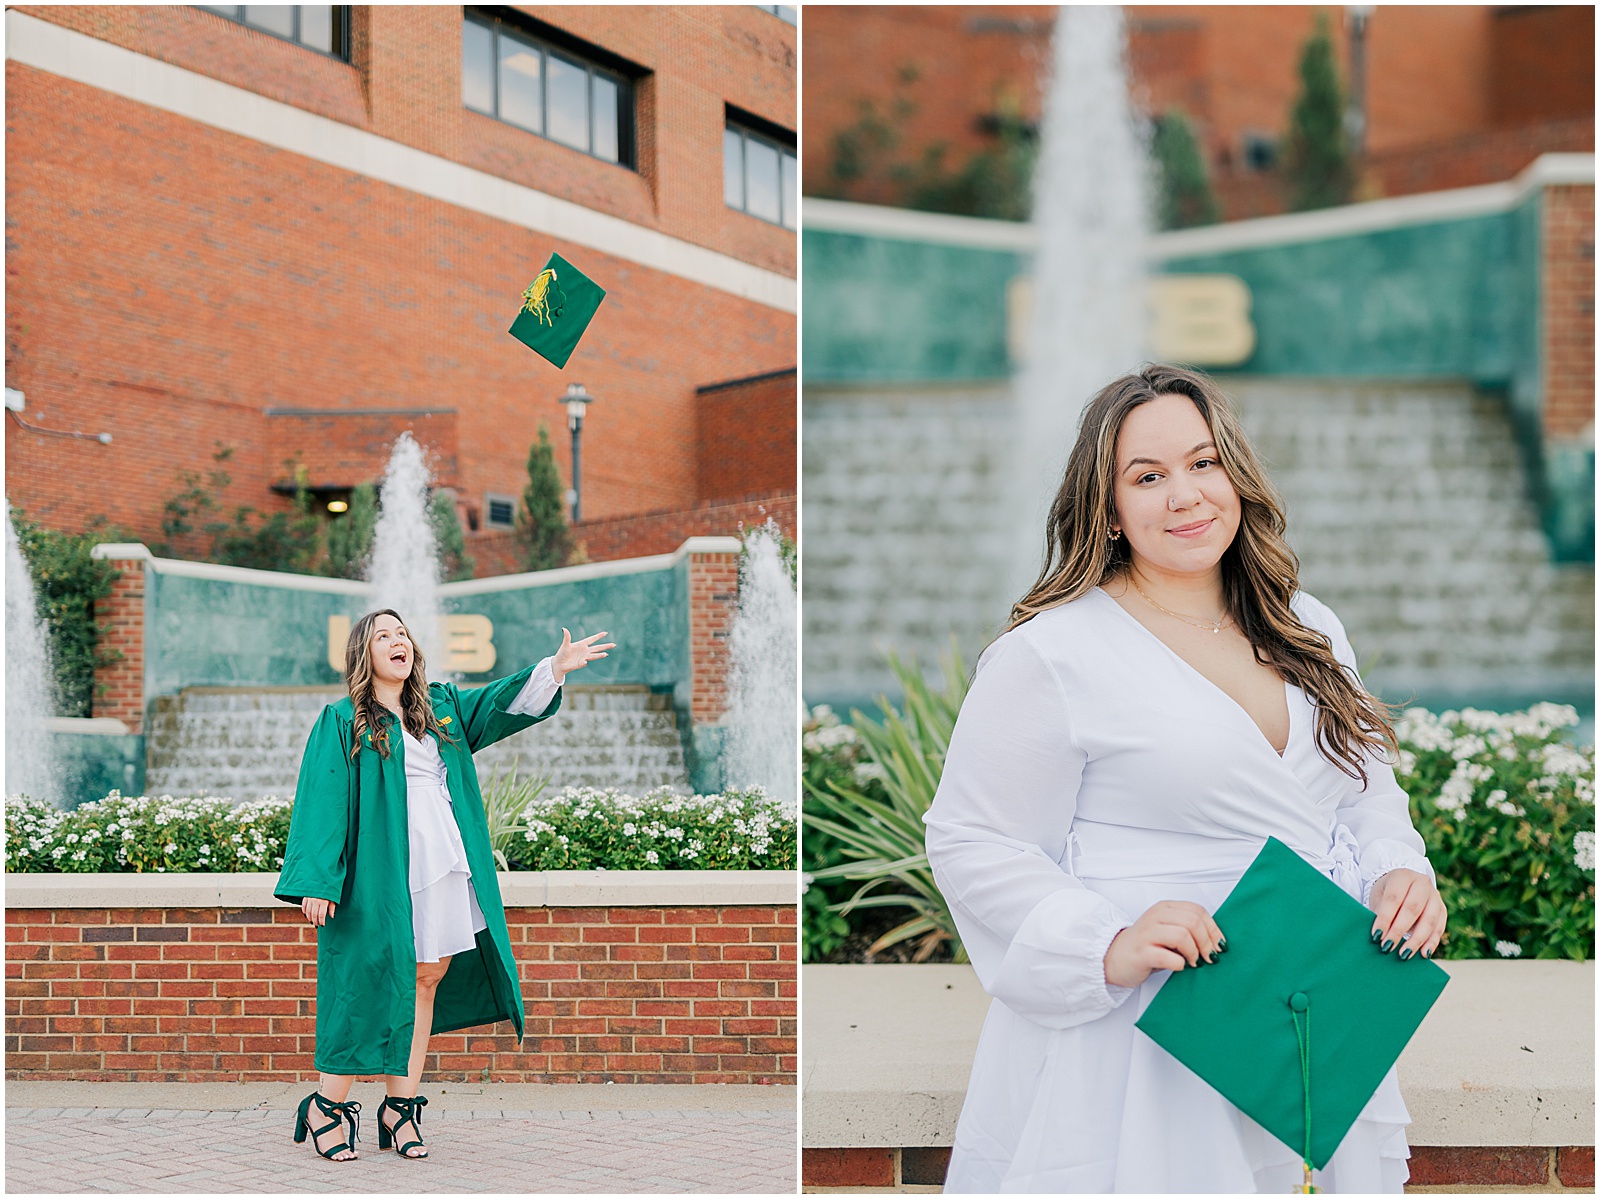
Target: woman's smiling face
column 1175, row 504
column 390, row 650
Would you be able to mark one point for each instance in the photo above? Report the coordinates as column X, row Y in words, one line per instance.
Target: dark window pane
column 761, row 180
column 477, row 67
column 274, row 18
column 316, row 26
column 733, row 168
column 605, row 118
column 501, row 512
column 520, row 71
column 569, row 103
column 791, row 194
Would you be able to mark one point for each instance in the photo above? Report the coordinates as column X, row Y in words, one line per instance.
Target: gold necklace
column 1207, row 626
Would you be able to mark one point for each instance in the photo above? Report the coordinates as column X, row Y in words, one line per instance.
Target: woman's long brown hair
column 1260, row 573
column 415, row 706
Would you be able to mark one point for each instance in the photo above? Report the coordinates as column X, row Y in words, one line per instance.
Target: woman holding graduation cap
column 389, row 856
column 1164, row 700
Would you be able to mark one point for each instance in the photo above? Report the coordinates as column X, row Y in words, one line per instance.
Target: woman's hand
column 575, row 655
column 318, row 911
column 1408, row 909
column 1170, row 935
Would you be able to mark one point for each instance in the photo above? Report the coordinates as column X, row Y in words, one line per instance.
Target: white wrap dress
column 445, row 916
column 1092, row 773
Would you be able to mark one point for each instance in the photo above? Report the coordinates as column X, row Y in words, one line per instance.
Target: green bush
column 126, row 835
column 578, row 829
column 830, row 750
column 1506, row 807
column 1184, row 196
column 585, row 828
column 66, row 584
column 542, row 520
column 876, row 817
column 455, row 564
column 1318, row 162
column 350, row 536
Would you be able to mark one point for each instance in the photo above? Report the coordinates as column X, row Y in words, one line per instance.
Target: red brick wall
column 404, row 83
column 659, row 995
column 169, row 283
column 713, row 600
column 119, row 687
column 608, row 539
column 1436, row 74
column 1542, row 62
column 341, row 449
column 1568, row 278
column 1556, row 1169
column 747, row 437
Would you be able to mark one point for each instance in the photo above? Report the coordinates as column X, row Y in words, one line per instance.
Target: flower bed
column 576, row 829
column 1504, row 804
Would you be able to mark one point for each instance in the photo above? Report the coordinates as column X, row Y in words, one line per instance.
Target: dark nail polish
column 1222, row 945
column 1211, row 959
column 1376, row 933
column 1427, row 953
column 1387, row 946
column 1406, row 953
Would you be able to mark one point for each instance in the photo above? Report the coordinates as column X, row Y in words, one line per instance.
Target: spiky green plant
column 883, row 839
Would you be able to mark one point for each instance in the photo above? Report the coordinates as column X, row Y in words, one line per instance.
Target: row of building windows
column 562, row 93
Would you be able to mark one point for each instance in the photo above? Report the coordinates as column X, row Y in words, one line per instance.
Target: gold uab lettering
column 468, row 640
column 1202, row 319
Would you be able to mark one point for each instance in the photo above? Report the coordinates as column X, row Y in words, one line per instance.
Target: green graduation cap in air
column 1297, row 1024
column 556, row 309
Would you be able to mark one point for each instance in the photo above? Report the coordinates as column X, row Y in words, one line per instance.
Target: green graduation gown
column 349, row 843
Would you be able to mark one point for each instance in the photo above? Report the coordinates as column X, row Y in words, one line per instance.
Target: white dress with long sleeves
column 445, row 916
column 1092, row 773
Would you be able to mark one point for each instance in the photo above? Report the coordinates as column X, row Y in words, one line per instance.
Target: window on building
column 1260, row 151
column 555, row 90
column 323, row 27
column 784, row 12
column 501, row 511
column 758, row 170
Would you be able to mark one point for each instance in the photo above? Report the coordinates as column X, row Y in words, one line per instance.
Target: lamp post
column 576, row 400
column 1355, row 116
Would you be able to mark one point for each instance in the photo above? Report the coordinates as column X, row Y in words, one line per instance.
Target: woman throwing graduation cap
column 389, row 857
column 1164, row 700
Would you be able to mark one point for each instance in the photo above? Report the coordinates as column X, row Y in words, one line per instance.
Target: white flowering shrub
column 145, row 834
column 584, row 828
column 1507, row 810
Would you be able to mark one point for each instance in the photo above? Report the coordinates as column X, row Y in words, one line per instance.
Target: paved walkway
column 222, row 1138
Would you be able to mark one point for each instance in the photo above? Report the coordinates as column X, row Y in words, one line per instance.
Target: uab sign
column 468, row 642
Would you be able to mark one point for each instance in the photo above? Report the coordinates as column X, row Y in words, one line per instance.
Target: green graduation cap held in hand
column 1297, row 1024
column 556, row 309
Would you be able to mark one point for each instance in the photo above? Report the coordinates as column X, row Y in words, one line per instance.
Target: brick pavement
column 113, row 1149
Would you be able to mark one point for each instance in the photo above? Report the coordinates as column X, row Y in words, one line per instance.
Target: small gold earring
column 1113, row 534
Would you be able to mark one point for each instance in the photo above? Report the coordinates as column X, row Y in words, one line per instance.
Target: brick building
column 1455, row 95
column 299, row 236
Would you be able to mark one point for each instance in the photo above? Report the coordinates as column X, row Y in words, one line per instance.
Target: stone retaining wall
column 688, row 979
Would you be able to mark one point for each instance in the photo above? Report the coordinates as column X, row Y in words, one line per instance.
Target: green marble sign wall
column 226, row 632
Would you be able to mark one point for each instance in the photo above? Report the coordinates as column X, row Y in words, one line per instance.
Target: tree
column 67, row 582
column 350, row 536
column 1185, row 190
column 455, row 564
column 542, row 522
column 1318, row 162
column 290, row 541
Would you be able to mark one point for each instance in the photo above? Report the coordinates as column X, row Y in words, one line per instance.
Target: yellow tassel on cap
column 537, row 298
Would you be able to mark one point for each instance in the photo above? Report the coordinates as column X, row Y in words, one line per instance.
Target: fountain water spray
column 1091, row 214
column 30, row 766
column 404, row 571
column 763, row 710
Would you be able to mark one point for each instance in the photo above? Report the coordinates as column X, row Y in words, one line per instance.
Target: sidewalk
column 482, row 1138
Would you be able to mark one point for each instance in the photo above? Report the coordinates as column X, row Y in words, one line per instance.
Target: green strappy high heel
column 342, row 1113
column 406, row 1109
